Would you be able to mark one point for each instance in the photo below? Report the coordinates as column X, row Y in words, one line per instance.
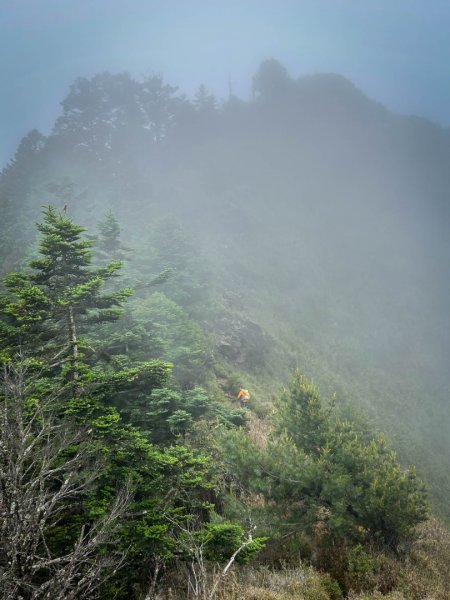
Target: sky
column 396, row 51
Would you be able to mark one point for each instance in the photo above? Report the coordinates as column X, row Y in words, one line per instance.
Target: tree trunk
column 73, row 343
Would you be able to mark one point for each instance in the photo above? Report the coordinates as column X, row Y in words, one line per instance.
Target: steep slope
column 334, row 233
column 321, row 218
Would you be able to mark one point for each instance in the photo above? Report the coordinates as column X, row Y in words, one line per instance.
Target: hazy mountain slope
column 342, row 241
column 324, row 214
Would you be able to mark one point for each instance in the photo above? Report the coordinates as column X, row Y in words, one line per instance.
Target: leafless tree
column 47, row 465
column 203, row 577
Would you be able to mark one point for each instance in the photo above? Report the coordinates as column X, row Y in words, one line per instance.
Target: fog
column 396, row 52
column 313, row 210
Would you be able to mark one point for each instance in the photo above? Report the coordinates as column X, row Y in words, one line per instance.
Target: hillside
column 317, row 218
column 288, row 244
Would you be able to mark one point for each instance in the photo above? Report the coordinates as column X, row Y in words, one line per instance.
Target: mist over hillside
column 319, row 218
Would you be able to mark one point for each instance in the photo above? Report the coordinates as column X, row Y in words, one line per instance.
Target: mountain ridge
column 326, row 212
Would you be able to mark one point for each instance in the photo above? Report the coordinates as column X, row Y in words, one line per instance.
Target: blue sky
column 397, row 51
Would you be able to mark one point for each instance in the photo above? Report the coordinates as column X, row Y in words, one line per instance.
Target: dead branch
column 47, row 466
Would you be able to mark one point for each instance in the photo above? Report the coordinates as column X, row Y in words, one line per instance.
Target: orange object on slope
column 243, row 395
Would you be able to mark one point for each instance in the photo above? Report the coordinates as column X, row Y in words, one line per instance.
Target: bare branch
column 48, row 466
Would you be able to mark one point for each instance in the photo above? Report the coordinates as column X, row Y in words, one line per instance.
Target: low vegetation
column 118, row 481
column 130, row 467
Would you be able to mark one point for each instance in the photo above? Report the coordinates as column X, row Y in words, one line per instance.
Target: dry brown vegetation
column 423, row 575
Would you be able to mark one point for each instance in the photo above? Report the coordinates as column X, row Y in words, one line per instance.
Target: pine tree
column 46, row 318
column 62, row 296
column 109, row 246
column 303, row 415
column 360, row 484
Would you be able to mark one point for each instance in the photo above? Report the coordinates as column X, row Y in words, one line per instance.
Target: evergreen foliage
column 324, row 479
column 53, row 544
column 139, row 390
column 109, row 246
column 61, row 297
column 42, row 315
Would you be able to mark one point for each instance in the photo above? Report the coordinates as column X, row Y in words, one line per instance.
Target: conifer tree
column 61, row 296
column 46, row 316
column 303, row 415
column 51, row 548
column 109, row 246
column 358, row 483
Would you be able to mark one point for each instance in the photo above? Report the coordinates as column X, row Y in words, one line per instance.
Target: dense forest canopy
column 188, row 248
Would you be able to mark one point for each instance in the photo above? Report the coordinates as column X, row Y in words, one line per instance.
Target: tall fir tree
column 62, row 296
column 47, row 317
